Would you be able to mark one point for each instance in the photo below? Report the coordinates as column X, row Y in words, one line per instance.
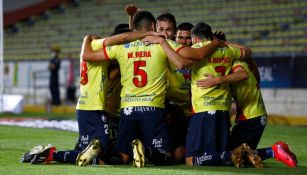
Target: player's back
column 93, row 77
column 219, row 63
column 248, row 96
column 143, row 73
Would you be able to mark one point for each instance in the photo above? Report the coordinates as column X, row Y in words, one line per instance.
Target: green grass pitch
column 14, row 141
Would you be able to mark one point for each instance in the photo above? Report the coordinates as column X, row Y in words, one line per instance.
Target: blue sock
column 66, row 156
column 265, row 153
column 212, row 158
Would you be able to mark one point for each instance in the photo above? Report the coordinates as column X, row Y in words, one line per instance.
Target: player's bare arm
column 131, row 10
column 202, row 52
column 174, row 57
column 246, row 52
column 185, row 56
column 128, row 37
column 239, row 74
column 88, row 54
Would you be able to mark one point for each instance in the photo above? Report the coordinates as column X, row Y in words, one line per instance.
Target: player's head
column 183, row 34
column 166, row 24
column 144, row 21
column 121, row 26
column 201, row 31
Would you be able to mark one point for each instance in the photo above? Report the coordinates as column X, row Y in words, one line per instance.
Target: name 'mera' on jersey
column 143, row 72
column 93, row 77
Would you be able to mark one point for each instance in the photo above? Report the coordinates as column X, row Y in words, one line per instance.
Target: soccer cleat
column 283, row 154
column 28, row 156
column 89, row 153
column 252, row 157
column 286, row 148
column 237, row 156
column 44, row 156
column 138, row 153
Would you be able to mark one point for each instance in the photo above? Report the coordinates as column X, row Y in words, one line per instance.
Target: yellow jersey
column 218, row 64
column 179, row 88
column 248, row 96
column 93, row 77
column 143, row 72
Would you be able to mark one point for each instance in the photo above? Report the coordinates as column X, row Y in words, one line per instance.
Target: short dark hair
column 186, row 26
column 167, row 17
column 120, row 31
column 121, row 26
column 202, row 30
column 142, row 18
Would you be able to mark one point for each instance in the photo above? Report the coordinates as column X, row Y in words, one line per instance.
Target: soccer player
column 251, row 114
column 93, row 127
column 178, row 96
column 166, row 24
column 208, row 128
column 143, row 76
column 183, row 34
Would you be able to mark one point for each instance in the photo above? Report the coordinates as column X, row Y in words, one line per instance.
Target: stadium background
column 274, row 29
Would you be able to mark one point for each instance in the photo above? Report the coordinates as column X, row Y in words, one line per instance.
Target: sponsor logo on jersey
column 127, row 45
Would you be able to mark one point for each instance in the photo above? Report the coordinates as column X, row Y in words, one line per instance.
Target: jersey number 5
column 83, row 74
column 142, row 80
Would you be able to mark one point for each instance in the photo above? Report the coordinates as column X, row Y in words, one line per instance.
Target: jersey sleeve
column 97, row 44
column 237, row 53
column 111, row 52
column 236, row 64
column 174, row 45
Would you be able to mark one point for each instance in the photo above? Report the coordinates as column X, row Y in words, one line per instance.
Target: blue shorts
column 178, row 125
column 113, row 129
column 247, row 131
column 145, row 123
column 92, row 124
column 207, row 132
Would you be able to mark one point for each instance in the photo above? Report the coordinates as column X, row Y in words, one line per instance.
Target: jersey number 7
column 140, row 81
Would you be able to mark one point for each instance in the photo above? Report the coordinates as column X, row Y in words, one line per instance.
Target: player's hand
column 131, row 9
column 159, row 34
column 208, row 82
column 152, row 40
column 220, row 35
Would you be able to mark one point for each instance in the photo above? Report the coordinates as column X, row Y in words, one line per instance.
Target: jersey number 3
column 140, row 81
column 83, row 75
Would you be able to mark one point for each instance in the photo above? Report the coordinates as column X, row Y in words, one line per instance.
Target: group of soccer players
column 160, row 97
